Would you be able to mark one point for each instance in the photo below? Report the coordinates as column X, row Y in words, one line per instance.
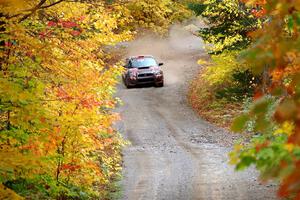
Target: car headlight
column 131, row 74
column 158, row 72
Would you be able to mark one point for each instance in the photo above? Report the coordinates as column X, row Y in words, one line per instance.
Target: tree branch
column 52, row 4
column 33, row 10
column 8, row 120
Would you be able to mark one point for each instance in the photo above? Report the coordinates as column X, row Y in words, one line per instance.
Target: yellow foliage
column 202, row 62
column 8, row 194
column 289, row 147
column 222, row 67
column 234, row 155
column 157, row 15
column 57, row 91
column 286, row 127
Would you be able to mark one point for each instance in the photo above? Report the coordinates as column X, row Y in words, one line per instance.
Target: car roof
column 140, row 56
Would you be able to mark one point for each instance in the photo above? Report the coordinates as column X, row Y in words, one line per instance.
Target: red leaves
column 46, row 33
column 75, row 33
column 63, row 95
column 63, row 23
column 255, row 2
column 110, row 130
column 69, row 24
column 295, row 138
column 90, row 102
column 258, row 95
column 286, row 111
column 43, row 119
column 277, row 74
column 261, row 146
column 34, row 146
column 70, row 167
column 81, row 18
column 52, row 77
column 52, row 24
column 259, row 13
column 289, row 184
column 7, row 44
column 85, row 100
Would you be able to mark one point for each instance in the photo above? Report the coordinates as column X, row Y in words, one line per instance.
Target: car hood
column 151, row 68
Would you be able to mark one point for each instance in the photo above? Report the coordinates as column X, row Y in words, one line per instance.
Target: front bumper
column 145, row 79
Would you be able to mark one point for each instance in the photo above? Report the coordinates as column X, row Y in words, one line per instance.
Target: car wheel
column 127, row 84
column 160, row 84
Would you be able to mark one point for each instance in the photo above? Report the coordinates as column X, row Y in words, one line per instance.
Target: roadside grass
column 202, row 98
column 115, row 189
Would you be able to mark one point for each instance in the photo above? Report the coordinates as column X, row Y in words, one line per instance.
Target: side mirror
column 160, row 64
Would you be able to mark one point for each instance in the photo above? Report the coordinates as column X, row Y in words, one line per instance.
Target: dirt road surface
column 174, row 155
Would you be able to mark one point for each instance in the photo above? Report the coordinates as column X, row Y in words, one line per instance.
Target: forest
column 58, row 83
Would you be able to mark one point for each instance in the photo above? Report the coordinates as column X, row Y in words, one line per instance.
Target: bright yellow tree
column 56, row 94
column 56, row 98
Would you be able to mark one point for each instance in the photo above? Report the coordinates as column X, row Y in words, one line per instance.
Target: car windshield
column 143, row 62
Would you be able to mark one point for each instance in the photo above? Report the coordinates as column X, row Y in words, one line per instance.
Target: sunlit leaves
column 157, row 15
column 6, row 193
column 56, row 100
column 222, row 67
column 57, row 86
column 228, row 24
column 239, row 123
column 276, row 53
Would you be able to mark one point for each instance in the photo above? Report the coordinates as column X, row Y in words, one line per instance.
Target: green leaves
column 260, row 113
column 239, row 123
column 229, row 22
column 57, row 85
column 157, row 15
column 245, row 162
column 286, row 110
column 274, row 52
column 265, row 154
column 197, row 8
column 261, row 106
column 52, row 86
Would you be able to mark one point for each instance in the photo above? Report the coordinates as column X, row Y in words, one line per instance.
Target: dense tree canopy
column 263, row 38
column 229, row 80
column 57, row 84
column 56, row 95
column 275, row 113
column 228, row 22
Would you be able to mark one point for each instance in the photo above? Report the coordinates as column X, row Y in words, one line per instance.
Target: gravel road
column 173, row 153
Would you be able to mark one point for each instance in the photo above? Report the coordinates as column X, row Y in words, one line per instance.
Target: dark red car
column 142, row 70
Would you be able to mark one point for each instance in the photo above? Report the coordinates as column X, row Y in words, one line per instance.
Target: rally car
column 142, row 69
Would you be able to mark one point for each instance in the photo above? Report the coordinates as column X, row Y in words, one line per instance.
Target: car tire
column 160, row 84
column 127, row 84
